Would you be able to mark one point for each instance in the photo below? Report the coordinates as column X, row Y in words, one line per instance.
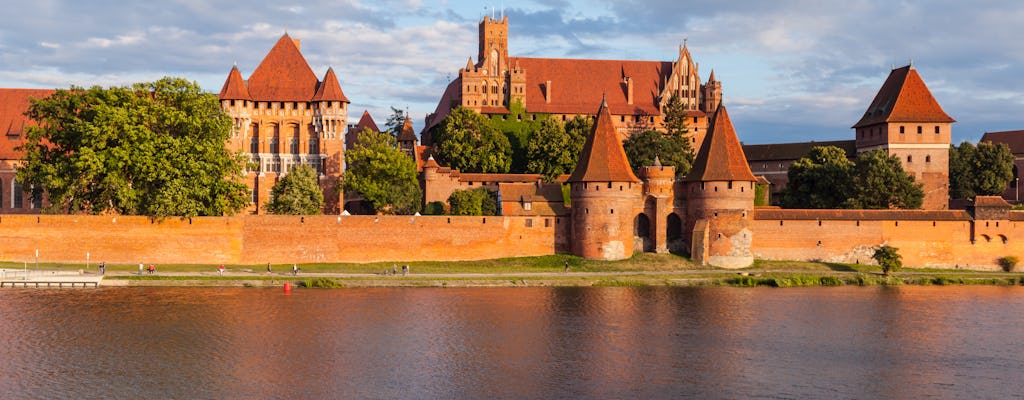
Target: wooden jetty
column 52, row 279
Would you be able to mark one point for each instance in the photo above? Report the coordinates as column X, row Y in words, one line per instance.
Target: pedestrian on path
column 405, row 270
column 268, row 268
column 566, row 265
column 394, row 269
column 220, row 270
column 103, row 268
column 152, row 269
column 295, row 269
column 140, row 269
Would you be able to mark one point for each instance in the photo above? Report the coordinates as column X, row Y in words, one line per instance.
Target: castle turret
column 407, row 138
column 605, row 195
column 720, row 199
column 658, row 193
column 712, row 93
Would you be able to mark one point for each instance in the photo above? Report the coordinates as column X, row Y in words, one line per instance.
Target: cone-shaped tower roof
column 330, row 89
column 407, row 134
column 283, row 75
column 721, row 156
column 603, row 159
column 904, row 98
column 234, row 87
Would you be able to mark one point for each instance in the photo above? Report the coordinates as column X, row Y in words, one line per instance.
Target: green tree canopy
column 984, row 170
column 384, row 175
column 479, row 201
column 880, row 182
column 467, row 141
column 888, row 258
column 554, row 148
column 297, row 193
column 393, row 124
column 155, row 149
column 642, row 148
column 821, row 179
column 518, row 127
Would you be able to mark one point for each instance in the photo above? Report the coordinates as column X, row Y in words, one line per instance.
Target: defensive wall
column 257, row 239
column 941, row 239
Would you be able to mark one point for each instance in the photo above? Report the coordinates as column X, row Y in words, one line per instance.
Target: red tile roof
column 407, row 134
column 545, row 199
column 991, row 201
column 234, row 87
column 793, row 151
column 283, row 75
column 366, row 121
column 904, row 98
column 13, row 104
column 1014, row 139
column 721, row 156
column 448, row 102
column 330, row 89
column 603, row 159
column 576, row 83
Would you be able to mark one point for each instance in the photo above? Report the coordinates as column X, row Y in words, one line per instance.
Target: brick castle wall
column 277, row 239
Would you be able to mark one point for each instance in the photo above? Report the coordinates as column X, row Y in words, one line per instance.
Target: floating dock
column 42, row 279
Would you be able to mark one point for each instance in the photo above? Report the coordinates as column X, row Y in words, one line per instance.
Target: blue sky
column 791, row 70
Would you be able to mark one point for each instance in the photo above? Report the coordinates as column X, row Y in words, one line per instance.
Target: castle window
column 622, row 118
column 901, row 130
column 910, row 158
column 927, row 159
column 547, row 222
column 695, row 120
column 936, row 129
column 16, row 200
column 613, row 211
column 730, row 185
column 529, row 222
column 527, row 205
column 609, row 185
column 919, row 129
column 586, row 210
column 780, row 222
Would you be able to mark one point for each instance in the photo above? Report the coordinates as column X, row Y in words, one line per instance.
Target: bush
column 1008, row 263
column 321, row 283
column 888, row 258
column 434, row 208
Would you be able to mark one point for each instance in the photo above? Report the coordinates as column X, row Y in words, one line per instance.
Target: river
column 513, row 343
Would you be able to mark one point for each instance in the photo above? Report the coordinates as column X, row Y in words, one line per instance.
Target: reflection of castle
column 636, row 91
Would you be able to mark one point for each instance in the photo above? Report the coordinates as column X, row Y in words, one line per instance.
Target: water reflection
column 908, row 342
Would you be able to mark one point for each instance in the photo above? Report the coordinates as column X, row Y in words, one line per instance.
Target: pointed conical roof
column 904, row 98
column 366, row 121
column 721, row 156
column 234, row 87
column 712, row 77
column 407, row 134
column 603, row 159
column 330, row 89
column 283, row 75
column 469, row 64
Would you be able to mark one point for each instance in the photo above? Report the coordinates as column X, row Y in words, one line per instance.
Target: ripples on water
column 539, row 343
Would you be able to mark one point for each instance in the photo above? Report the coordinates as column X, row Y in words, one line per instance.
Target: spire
column 469, row 64
column 712, row 77
column 657, row 161
column 330, row 89
column 407, row 134
column 603, row 159
column 721, row 156
column 283, row 75
column 234, row 87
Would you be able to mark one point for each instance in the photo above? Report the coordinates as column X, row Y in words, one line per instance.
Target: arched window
column 254, row 140
column 293, row 140
column 314, row 142
column 275, row 138
column 16, row 194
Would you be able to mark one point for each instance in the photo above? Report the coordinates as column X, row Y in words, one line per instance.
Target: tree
column 984, row 170
column 820, row 179
column 155, row 149
column 554, row 149
column 395, row 121
column 297, row 193
column 880, row 182
column 384, row 175
column 479, row 201
column 888, row 258
column 466, row 141
column 642, row 148
column 518, row 127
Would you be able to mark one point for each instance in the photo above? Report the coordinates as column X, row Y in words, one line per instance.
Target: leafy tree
column 675, row 119
column 554, row 149
column 984, row 170
column 821, row 179
column 297, row 193
column 880, row 182
column 518, row 127
column 384, row 175
column 642, row 148
column 395, row 121
column 888, row 258
column 155, row 149
column 434, row 208
column 468, row 142
column 479, row 201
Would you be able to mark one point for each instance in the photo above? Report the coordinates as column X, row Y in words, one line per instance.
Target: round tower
column 658, row 194
column 605, row 194
column 719, row 194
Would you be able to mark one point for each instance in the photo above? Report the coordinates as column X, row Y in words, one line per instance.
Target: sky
column 791, row 70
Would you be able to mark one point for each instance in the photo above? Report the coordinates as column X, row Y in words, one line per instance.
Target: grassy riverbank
column 642, row 270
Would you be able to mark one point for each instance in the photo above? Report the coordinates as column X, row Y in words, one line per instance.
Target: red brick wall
column 277, row 239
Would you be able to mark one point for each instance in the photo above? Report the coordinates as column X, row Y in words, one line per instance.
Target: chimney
column 547, row 92
column 629, row 91
column 298, row 44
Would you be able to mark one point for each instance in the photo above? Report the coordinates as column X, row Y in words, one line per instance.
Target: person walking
column 566, row 265
column 140, row 269
column 405, row 270
column 152, row 269
column 220, row 269
column 295, row 269
column 394, row 269
column 103, row 268
column 268, row 268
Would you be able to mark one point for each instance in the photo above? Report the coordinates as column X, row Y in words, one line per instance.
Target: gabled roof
column 234, row 87
column 366, row 121
column 721, row 156
column 283, row 75
column 13, row 104
column 904, row 98
column 603, row 159
column 407, row 134
column 545, row 199
column 1014, row 139
column 576, row 83
column 330, row 89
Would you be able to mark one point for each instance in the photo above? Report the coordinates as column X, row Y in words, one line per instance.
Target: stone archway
column 674, row 234
column 642, row 233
